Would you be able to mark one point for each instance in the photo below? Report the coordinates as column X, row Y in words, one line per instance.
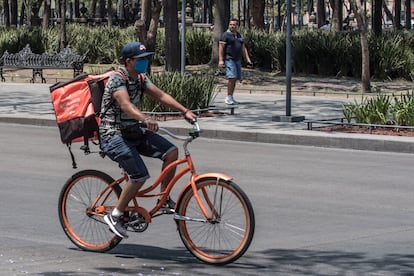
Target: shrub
column 266, row 50
column 382, row 110
column 196, row 91
column 313, row 51
column 198, row 47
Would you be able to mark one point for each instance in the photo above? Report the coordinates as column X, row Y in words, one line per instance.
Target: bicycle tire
column 86, row 230
column 225, row 240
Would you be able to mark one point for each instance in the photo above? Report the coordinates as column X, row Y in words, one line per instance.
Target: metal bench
column 26, row 59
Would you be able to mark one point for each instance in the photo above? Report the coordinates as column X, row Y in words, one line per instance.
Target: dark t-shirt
column 233, row 45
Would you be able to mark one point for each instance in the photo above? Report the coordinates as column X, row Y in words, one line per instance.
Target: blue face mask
column 141, row 65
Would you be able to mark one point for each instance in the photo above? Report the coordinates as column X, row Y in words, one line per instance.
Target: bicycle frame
column 189, row 168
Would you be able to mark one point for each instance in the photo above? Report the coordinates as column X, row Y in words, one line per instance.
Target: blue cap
column 134, row 50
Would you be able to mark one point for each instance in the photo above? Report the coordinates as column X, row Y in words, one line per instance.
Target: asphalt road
column 318, row 211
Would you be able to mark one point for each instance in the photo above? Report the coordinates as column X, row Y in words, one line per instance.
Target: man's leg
column 230, row 87
column 157, row 146
column 115, row 219
column 127, row 156
column 169, row 158
column 231, row 74
column 128, row 193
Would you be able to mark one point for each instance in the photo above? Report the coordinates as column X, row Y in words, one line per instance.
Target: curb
column 28, row 121
column 291, row 137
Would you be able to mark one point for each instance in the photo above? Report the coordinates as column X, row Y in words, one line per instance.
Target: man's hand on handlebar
column 190, row 116
column 151, row 124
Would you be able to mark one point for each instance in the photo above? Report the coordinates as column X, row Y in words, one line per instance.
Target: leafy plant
column 348, row 110
column 198, row 47
column 382, row 110
column 403, row 110
column 196, row 91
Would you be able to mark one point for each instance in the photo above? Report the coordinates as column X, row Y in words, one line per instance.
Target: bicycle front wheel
column 225, row 237
column 82, row 206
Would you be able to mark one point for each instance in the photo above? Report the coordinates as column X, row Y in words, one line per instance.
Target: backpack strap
column 69, row 145
column 142, row 77
column 125, row 78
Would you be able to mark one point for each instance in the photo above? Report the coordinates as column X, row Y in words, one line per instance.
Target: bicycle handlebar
column 193, row 134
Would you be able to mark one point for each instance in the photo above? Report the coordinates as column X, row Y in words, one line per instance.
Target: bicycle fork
column 213, row 214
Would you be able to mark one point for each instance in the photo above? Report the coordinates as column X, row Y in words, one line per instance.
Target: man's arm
column 222, row 45
column 246, row 54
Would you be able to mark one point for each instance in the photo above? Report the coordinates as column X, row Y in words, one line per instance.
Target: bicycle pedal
column 166, row 210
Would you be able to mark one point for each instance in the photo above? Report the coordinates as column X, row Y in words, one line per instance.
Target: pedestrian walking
column 231, row 50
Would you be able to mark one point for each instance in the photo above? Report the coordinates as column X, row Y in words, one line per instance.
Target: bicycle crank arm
column 180, row 217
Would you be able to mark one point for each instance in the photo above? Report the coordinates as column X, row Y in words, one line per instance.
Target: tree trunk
column 337, row 18
column 221, row 22
column 172, row 43
column 101, row 9
column 93, row 8
column 397, row 14
column 156, row 8
column 408, row 14
column 147, row 34
column 46, row 14
column 362, row 27
column 388, row 12
column 208, row 11
column 377, row 17
column 22, row 14
column 110, row 13
column 63, row 39
column 76, row 8
column 257, row 14
column 320, row 9
column 6, row 12
column 13, row 13
column 146, row 12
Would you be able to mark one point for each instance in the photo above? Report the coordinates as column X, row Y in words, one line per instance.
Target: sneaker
column 234, row 100
column 168, row 206
column 229, row 100
column 116, row 225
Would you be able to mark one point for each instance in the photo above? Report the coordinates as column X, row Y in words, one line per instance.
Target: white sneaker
column 234, row 100
column 230, row 100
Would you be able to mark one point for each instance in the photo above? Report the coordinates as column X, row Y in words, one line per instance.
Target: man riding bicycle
column 122, row 138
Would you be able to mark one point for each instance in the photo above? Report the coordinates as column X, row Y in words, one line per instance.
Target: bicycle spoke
column 78, row 216
column 227, row 236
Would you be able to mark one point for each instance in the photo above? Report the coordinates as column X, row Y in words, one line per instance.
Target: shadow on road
column 269, row 262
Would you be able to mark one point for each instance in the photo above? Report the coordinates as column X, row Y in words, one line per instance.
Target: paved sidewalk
column 26, row 103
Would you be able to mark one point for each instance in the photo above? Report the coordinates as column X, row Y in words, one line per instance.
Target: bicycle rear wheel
column 228, row 235
column 81, row 217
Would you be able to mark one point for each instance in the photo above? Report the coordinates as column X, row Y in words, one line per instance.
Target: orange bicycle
column 214, row 217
